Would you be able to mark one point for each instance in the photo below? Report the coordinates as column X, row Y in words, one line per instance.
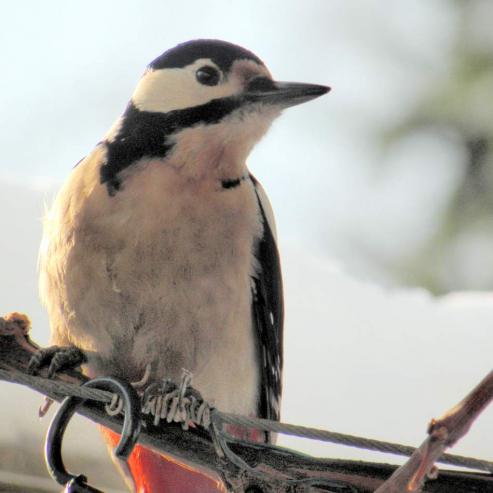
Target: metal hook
column 58, row 425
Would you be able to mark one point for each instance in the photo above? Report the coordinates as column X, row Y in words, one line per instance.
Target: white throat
column 220, row 149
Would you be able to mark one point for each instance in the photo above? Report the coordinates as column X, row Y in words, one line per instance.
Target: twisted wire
column 349, row 440
column 60, row 389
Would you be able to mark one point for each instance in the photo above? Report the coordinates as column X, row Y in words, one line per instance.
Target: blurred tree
column 459, row 254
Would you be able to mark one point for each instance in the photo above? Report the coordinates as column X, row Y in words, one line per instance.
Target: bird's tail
column 147, row 471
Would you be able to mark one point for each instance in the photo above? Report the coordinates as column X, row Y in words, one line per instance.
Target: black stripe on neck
column 144, row 134
column 232, row 182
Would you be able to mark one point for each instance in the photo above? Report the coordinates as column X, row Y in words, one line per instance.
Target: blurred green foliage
column 459, row 253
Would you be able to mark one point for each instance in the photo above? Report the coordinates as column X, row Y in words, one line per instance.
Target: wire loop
column 54, row 437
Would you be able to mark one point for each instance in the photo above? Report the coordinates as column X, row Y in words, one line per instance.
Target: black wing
column 268, row 315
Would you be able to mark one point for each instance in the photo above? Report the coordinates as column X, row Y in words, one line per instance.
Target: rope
column 57, row 388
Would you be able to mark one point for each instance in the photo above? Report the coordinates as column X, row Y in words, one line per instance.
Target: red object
column 156, row 473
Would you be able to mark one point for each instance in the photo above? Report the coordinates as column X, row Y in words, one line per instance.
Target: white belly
column 160, row 274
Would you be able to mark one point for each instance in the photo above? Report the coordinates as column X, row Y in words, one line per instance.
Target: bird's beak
column 283, row 94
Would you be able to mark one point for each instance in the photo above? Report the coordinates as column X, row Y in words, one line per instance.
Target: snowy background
column 382, row 191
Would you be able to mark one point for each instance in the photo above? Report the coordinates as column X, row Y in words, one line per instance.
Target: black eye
column 207, row 75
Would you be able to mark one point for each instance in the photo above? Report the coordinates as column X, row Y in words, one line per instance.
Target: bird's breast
column 160, row 273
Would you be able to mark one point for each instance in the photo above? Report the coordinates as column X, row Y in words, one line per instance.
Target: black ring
column 129, row 435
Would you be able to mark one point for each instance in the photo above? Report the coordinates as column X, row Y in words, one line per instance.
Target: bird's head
column 202, row 105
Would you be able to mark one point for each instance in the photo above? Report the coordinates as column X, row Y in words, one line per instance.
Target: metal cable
column 348, row 440
column 54, row 387
column 63, row 389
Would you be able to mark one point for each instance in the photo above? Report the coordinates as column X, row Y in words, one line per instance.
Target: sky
column 361, row 356
column 72, row 67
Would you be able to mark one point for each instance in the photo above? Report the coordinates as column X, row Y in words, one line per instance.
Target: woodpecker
column 161, row 246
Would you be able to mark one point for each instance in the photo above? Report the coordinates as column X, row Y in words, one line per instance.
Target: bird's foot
column 56, row 358
column 166, row 401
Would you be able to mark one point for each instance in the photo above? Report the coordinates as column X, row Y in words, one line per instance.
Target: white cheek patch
column 171, row 89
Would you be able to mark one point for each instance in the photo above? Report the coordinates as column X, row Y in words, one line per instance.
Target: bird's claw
column 56, row 358
column 176, row 403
